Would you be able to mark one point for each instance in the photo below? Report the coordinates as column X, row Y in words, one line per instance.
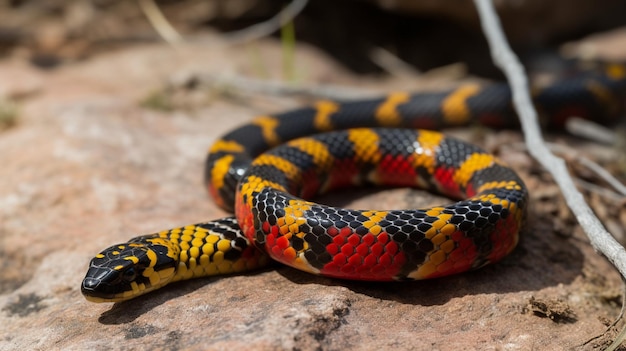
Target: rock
column 87, row 166
column 527, row 23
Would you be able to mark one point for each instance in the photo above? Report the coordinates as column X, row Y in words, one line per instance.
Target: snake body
column 365, row 142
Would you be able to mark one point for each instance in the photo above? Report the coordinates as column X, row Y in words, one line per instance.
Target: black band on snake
column 361, row 143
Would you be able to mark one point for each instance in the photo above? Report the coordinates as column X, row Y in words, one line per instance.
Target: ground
column 113, row 146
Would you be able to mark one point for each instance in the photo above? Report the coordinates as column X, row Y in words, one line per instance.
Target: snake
column 268, row 170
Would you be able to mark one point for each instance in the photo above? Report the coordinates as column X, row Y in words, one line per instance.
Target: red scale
column 363, row 257
column 343, row 174
column 444, row 177
column 311, row 184
column 396, row 171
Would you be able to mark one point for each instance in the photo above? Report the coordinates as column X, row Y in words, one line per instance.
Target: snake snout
column 95, row 286
column 131, row 269
column 89, row 285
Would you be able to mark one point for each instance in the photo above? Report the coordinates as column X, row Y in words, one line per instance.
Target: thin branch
column 268, row 27
column 617, row 194
column 254, row 32
column 592, row 166
column 392, row 64
column 619, row 338
column 159, row 22
column 247, row 85
column 504, row 58
column 605, row 193
column 591, row 130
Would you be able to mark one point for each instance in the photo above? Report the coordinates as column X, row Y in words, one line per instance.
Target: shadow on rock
column 542, row 259
column 127, row 311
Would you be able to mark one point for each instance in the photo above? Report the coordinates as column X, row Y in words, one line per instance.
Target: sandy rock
column 87, row 167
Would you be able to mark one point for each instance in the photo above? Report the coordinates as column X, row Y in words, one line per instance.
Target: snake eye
column 130, row 274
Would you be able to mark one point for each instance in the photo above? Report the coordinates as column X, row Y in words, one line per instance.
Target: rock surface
column 87, row 166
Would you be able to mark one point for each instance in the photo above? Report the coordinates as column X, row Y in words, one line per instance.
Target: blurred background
column 424, row 34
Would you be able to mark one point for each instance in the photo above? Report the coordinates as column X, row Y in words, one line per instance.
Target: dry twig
column 159, row 22
column 592, row 166
column 247, row 85
column 254, row 32
column 268, row 27
column 590, row 130
column 504, row 58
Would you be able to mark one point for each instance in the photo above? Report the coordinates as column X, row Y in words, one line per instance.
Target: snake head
column 124, row 271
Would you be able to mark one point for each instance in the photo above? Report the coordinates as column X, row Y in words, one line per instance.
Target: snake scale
column 265, row 171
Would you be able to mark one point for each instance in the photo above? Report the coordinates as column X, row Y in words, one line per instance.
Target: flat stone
column 87, row 167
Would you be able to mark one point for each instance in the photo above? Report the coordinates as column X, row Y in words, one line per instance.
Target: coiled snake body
column 267, row 191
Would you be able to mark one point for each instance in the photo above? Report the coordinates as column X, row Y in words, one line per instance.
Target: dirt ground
column 110, row 143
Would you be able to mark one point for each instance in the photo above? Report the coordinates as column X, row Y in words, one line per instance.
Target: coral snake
column 315, row 150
